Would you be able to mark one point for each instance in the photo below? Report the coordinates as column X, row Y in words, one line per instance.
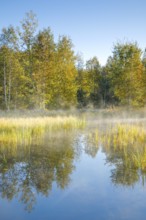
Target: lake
column 93, row 173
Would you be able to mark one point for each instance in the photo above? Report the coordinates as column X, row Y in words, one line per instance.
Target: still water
column 66, row 177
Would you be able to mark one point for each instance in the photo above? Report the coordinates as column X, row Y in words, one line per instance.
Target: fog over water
column 98, row 172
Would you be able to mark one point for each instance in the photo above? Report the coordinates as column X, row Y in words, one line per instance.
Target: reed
column 128, row 141
column 14, row 131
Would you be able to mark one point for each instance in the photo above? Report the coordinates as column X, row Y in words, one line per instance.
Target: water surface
column 69, row 176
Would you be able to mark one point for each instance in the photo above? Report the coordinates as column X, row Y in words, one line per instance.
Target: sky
column 94, row 26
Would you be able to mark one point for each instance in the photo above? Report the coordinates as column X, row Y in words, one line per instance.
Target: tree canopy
column 37, row 72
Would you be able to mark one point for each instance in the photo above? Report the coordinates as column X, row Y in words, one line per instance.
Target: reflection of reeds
column 130, row 142
column 125, row 134
column 127, row 141
column 14, row 131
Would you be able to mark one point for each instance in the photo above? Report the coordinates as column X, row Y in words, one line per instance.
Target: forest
column 38, row 73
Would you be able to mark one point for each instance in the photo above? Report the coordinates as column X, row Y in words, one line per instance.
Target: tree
column 104, row 88
column 44, row 60
column 65, row 89
column 27, row 37
column 81, row 79
column 127, row 75
column 8, row 59
column 144, row 67
column 93, row 74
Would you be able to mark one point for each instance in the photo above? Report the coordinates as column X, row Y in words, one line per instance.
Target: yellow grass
column 126, row 140
column 22, row 130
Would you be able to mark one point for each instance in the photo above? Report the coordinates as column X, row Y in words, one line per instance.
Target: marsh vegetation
column 125, row 141
column 16, row 131
column 41, row 154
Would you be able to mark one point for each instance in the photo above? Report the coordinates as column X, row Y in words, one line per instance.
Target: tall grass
column 14, row 131
column 126, row 141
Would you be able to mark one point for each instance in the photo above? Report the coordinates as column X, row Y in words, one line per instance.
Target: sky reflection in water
column 69, row 177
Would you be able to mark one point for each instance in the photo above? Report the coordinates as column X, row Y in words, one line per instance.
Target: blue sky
column 93, row 25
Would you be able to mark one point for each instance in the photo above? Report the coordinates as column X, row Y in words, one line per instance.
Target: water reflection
column 91, row 144
column 124, row 176
column 125, row 148
column 33, row 170
column 123, row 173
column 26, row 171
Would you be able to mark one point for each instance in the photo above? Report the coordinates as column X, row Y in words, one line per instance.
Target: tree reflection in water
column 27, row 171
column 127, row 154
column 125, row 149
column 123, row 173
column 32, row 170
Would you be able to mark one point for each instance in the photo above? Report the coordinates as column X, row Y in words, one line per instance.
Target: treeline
column 37, row 72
